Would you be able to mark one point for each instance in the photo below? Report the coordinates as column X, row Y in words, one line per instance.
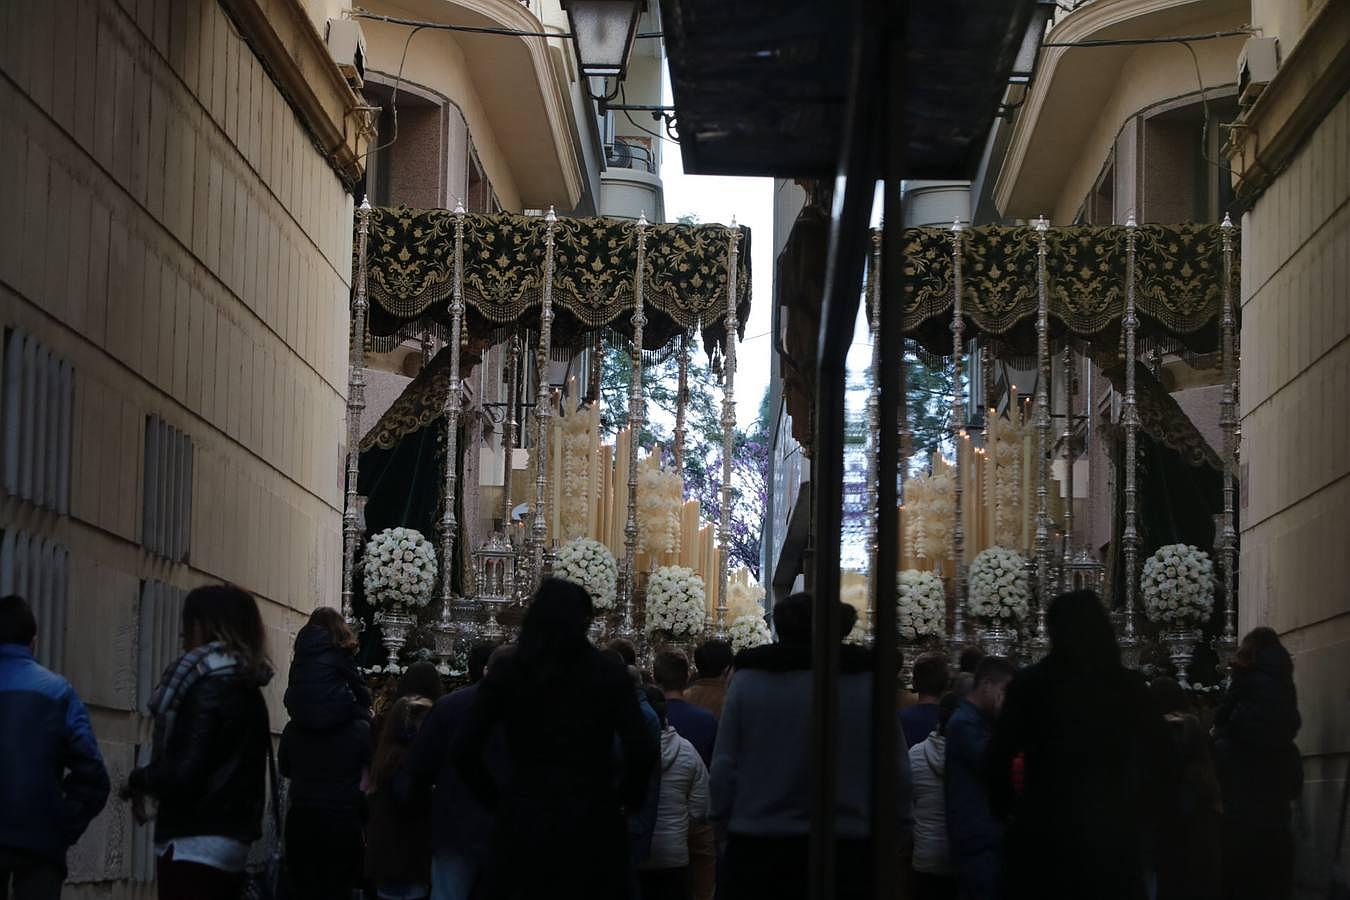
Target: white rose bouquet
column 998, row 586
column 749, row 631
column 1178, row 585
column 399, row 568
column 589, row 563
column 675, row 602
column 853, row 591
column 921, row 605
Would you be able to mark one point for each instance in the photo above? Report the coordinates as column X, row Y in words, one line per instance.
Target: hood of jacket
column 934, row 750
column 670, row 747
column 797, row 658
column 1274, row 661
column 313, row 642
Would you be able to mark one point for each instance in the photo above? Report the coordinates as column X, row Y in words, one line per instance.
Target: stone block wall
column 1295, row 497
column 173, row 233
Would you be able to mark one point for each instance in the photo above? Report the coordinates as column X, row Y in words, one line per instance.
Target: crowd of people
column 565, row 770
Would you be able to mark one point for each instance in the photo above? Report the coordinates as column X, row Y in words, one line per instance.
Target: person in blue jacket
column 975, row 835
column 52, row 778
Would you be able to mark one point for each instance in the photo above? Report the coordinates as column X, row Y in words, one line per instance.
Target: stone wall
column 173, row 235
column 1295, row 502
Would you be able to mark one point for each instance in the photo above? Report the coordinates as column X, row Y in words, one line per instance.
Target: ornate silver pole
column 958, row 428
column 728, row 425
column 509, row 430
column 1129, row 643
column 1228, row 421
column 628, row 577
column 681, row 402
column 1070, row 384
column 452, row 408
column 543, row 408
column 356, row 405
column 873, row 428
column 1042, row 419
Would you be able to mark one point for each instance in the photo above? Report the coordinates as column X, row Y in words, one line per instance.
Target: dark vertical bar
column 890, row 403
column 854, row 188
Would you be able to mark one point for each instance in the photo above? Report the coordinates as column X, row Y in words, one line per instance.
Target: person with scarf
column 208, row 764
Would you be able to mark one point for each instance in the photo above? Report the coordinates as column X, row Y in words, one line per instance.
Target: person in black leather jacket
column 208, row 767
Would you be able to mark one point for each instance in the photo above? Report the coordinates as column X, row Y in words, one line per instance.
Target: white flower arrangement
column 998, row 586
column 749, row 631
column 589, row 563
column 660, row 500
column 1178, row 585
column 921, row 605
column 675, row 602
column 745, row 596
column 400, row 568
column 579, row 430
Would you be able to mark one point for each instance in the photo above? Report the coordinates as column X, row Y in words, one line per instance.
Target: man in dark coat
column 1093, row 753
column 975, row 835
column 52, row 777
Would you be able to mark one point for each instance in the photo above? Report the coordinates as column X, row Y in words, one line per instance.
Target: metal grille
column 38, row 570
column 37, row 391
column 167, row 521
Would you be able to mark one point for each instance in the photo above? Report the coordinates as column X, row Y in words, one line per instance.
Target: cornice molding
column 295, row 57
column 1310, row 81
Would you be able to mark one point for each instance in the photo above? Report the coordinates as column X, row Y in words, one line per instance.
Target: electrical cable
column 358, row 13
column 393, row 98
column 1135, row 42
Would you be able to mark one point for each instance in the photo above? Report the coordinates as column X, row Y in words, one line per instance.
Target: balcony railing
column 624, row 155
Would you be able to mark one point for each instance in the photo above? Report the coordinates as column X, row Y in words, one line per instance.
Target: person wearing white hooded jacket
column 683, row 800
column 934, row 877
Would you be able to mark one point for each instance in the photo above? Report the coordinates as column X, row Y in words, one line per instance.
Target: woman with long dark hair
column 562, row 704
column 1260, row 770
column 1093, row 752
column 208, row 766
column 398, row 860
column 324, row 751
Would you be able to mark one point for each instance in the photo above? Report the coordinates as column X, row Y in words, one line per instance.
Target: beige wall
column 174, row 234
column 1295, row 508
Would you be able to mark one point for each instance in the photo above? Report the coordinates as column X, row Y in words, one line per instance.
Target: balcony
column 628, row 155
column 631, row 182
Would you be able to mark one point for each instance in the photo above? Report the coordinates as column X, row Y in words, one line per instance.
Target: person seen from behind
column 698, row 726
column 683, row 801
column 323, row 688
column 208, row 763
column 325, row 752
column 398, row 853
column 760, row 771
column 931, row 680
column 52, row 778
column 1094, row 755
column 1187, row 849
column 974, row 834
column 933, row 877
column 1260, row 769
column 712, row 664
column 461, row 829
column 561, row 704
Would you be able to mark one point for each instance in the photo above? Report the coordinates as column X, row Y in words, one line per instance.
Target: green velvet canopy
column 410, row 277
column 1178, row 284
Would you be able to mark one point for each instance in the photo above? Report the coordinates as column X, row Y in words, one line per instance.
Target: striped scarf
column 206, row 661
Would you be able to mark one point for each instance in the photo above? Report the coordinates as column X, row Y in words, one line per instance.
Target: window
column 37, row 396
column 167, row 518
column 38, row 570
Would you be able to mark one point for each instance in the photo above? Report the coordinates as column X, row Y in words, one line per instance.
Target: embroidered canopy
column 1178, row 284
column 410, row 261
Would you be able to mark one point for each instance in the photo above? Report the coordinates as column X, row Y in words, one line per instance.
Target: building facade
column 174, row 290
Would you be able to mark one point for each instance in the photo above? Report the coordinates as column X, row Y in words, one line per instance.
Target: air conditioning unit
column 1256, row 66
column 347, row 47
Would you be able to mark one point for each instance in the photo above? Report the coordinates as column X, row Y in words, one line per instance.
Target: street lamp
column 1024, row 66
column 604, row 31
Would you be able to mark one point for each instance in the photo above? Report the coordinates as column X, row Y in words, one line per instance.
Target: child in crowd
column 325, row 690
